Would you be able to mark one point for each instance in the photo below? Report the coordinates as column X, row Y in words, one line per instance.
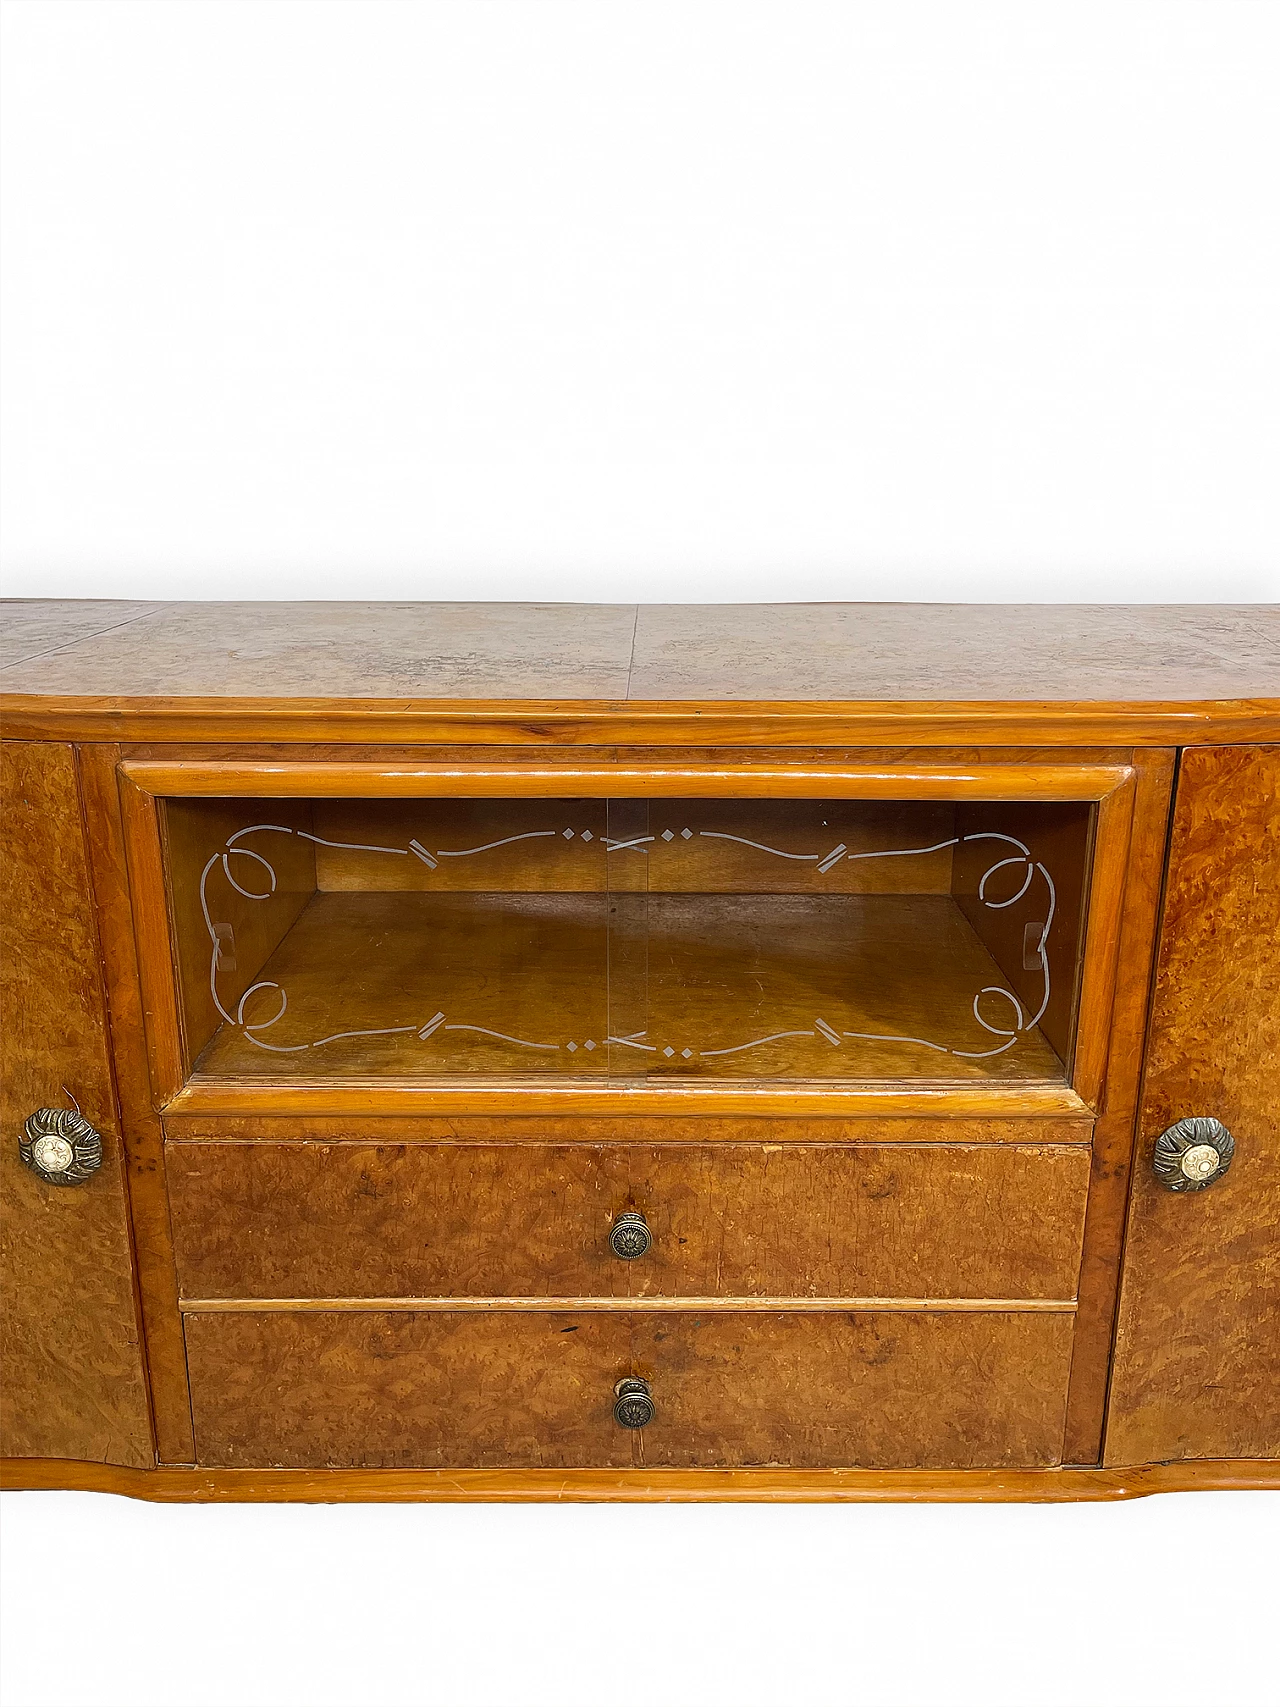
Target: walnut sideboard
column 597, row 1052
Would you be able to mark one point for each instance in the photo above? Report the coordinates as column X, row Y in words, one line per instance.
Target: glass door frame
column 144, row 783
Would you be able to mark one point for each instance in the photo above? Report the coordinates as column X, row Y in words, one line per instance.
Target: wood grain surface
column 954, row 652
column 394, row 1389
column 73, row 1382
column 697, row 751
column 270, row 1220
column 1197, row 1362
column 1113, row 1134
column 518, row 727
column 143, row 1135
column 34, row 628
column 680, row 1100
column 667, row 652
column 596, row 776
column 345, row 647
column 976, row 1390
column 668, row 1131
column 177, row 1486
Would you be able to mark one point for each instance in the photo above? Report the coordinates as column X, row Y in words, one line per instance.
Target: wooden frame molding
column 640, row 1486
column 658, row 723
column 1114, row 1131
column 371, row 1099
column 398, row 780
column 1071, row 1131
column 143, row 1136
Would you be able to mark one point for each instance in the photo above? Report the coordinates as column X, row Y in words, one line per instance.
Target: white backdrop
column 571, row 300
column 672, row 301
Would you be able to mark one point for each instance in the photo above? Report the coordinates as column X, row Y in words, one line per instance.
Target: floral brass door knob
column 60, row 1145
column 1193, row 1153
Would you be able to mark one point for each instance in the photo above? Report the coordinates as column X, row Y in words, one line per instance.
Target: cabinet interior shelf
column 589, row 985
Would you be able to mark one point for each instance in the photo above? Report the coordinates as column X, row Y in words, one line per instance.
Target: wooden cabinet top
column 1169, row 673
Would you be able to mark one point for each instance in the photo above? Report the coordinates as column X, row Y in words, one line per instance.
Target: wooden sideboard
column 666, row 1052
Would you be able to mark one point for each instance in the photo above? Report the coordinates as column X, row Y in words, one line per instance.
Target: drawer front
column 382, row 1389
column 354, row 1220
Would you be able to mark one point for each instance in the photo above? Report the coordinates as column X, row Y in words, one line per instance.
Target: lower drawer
column 880, row 1389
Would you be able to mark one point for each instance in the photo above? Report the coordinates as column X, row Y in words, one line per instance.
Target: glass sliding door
column 532, row 937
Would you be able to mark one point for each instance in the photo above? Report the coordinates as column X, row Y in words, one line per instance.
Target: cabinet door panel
column 1197, row 1371
column 73, row 1383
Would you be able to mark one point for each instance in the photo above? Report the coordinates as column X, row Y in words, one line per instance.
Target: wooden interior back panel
column 73, row 1383
column 392, row 1389
column 703, row 846
column 1197, row 1363
column 270, row 1220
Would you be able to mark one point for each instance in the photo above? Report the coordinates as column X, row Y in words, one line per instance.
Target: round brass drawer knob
column 629, row 1237
column 60, row 1146
column 1193, row 1153
column 633, row 1405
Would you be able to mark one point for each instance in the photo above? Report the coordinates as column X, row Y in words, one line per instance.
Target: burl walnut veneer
column 598, row 1052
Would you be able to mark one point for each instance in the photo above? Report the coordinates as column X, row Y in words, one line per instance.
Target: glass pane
column 737, row 939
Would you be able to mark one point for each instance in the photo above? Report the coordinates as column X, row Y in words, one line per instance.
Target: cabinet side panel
column 1197, row 1366
column 73, row 1379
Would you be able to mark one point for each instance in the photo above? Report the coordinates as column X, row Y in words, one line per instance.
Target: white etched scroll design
column 1017, row 1020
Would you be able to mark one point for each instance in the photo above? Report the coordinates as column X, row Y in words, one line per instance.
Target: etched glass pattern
column 774, row 939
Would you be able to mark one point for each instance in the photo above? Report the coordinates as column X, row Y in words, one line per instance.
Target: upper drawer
column 581, row 932
column 356, row 1220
